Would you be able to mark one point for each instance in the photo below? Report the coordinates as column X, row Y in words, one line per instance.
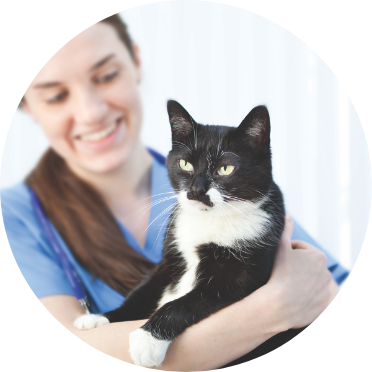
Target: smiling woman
column 89, row 109
column 89, row 106
column 91, row 182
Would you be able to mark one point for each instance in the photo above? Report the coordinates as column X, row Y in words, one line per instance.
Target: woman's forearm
column 226, row 335
column 111, row 339
column 215, row 341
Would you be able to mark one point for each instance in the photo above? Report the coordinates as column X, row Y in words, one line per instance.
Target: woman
column 92, row 182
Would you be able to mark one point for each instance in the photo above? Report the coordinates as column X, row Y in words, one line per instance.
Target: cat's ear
column 256, row 126
column 181, row 122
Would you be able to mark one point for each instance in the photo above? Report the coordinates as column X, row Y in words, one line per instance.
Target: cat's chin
column 199, row 205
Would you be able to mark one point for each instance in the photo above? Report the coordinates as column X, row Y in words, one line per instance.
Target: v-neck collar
column 162, row 199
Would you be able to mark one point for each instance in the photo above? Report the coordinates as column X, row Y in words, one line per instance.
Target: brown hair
column 82, row 218
column 121, row 29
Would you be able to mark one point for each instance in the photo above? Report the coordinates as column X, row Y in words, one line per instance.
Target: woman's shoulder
column 18, row 214
column 15, row 201
column 29, row 245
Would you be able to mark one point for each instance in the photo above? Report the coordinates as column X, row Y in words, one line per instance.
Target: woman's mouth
column 99, row 135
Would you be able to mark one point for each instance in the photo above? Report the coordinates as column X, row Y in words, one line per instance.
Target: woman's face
column 86, row 100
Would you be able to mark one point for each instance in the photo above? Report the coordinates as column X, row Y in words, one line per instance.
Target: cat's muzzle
column 203, row 198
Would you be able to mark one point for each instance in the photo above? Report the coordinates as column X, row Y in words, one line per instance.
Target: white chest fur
column 224, row 224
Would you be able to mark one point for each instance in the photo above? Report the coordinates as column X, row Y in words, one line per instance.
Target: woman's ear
column 24, row 106
column 137, row 62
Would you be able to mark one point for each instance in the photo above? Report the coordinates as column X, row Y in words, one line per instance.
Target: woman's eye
column 107, row 77
column 226, row 170
column 58, row 98
column 186, row 166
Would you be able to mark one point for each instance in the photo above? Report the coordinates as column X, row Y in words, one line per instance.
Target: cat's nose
column 199, row 186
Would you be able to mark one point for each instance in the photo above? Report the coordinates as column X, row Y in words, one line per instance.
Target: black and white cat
column 222, row 234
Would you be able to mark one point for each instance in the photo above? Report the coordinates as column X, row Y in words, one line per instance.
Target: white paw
column 89, row 321
column 146, row 350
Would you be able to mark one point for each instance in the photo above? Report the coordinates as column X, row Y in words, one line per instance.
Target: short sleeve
column 36, row 261
column 339, row 273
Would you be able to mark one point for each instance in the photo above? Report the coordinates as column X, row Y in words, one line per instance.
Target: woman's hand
column 302, row 284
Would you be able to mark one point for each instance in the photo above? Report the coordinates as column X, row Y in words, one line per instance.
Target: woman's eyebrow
column 53, row 84
column 102, row 62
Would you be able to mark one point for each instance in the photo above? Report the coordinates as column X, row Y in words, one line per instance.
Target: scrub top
column 41, row 268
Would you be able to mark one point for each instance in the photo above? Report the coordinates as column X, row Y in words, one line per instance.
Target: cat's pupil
column 185, row 162
column 225, row 167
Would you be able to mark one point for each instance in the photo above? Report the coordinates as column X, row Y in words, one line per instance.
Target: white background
column 220, row 62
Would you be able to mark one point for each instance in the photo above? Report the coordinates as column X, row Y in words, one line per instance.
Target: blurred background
column 219, row 62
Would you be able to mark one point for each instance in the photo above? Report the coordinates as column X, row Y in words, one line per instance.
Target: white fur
column 187, row 282
column 223, row 224
column 89, row 321
column 146, row 350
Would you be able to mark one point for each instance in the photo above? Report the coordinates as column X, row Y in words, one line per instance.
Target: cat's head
column 210, row 165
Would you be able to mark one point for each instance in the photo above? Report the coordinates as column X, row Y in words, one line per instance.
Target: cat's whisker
column 230, row 205
column 248, row 217
column 182, row 145
column 176, row 211
column 167, row 184
column 195, row 130
column 159, row 201
column 218, row 152
column 190, row 142
column 266, row 197
column 221, row 210
column 230, row 152
column 154, row 196
column 156, row 218
column 241, row 200
column 233, row 222
column 166, row 220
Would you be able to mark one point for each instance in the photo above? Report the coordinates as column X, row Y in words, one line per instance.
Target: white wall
column 219, row 62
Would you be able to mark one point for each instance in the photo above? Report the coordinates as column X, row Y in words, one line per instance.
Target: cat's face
column 211, row 165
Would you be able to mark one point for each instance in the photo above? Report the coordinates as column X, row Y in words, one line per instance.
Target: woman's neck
column 130, row 182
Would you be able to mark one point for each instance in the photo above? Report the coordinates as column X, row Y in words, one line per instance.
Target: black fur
column 225, row 274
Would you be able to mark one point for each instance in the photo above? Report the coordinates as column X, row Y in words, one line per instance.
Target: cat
column 222, row 234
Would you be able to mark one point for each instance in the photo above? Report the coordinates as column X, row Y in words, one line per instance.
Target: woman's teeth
column 97, row 136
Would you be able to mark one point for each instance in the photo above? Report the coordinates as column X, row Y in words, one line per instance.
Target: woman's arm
column 211, row 343
column 299, row 289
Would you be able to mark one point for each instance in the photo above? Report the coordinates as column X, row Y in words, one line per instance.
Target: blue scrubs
column 42, row 270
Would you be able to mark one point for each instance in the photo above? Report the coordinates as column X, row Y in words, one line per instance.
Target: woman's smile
column 103, row 138
column 98, row 135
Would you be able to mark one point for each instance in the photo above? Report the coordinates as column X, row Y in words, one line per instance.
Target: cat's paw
column 89, row 321
column 146, row 350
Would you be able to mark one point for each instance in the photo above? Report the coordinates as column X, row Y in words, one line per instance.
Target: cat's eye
column 226, row 170
column 186, row 166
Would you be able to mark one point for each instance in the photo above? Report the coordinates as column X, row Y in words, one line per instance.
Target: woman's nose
column 90, row 108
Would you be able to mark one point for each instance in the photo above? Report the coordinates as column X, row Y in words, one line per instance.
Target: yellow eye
column 186, row 166
column 226, row 170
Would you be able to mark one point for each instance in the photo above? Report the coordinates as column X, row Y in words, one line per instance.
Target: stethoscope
column 60, row 253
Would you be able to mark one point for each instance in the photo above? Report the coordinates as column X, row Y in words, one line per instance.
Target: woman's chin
column 106, row 166
column 103, row 164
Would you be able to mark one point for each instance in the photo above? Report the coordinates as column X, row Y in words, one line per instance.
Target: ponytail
column 89, row 229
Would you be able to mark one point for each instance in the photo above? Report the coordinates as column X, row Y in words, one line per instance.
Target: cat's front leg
column 148, row 345
column 89, row 321
column 145, row 349
column 140, row 304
